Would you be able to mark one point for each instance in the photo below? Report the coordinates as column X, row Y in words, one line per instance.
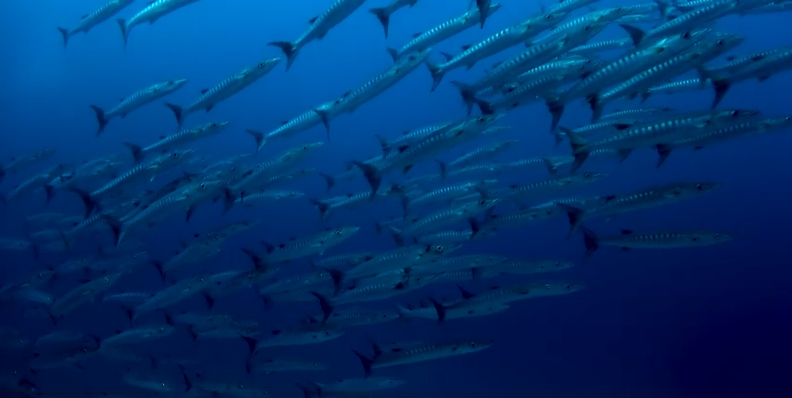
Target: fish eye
column 412, row 57
column 174, row 154
column 262, row 64
column 587, row 175
column 547, row 286
column 239, row 386
column 105, row 280
column 721, row 41
column 472, row 345
column 568, row 287
column 214, row 125
column 699, row 187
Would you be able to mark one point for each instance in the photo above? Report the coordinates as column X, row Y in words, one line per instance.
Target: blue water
column 704, row 322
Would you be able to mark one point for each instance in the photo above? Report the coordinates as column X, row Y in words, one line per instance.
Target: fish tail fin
column 475, row 227
column 484, row 106
column 50, row 191
column 230, row 198
column 591, row 240
column 289, row 50
column 596, row 107
column 137, row 151
column 437, row 74
column 579, row 146
column 373, row 176
column 100, row 117
column 324, row 114
column 636, row 34
column 88, row 201
column 441, row 310
column 384, row 144
column 210, row 301
column 468, row 94
column 327, row 306
column 330, row 180
column 393, row 53
column 124, row 30
column 116, row 226
column 383, row 16
column 721, row 86
column 187, row 382
column 65, row 33
column 405, row 202
column 443, row 168
column 338, row 278
column 552, row 168
column 323, row 207
column 662, row 8
column 252, row 343
column 398, row 237
column 259, row 138
column 178, row 112
column 556, row 109
column 366, row 362
column 160, row 270
column 574, row 214
column 663, row 150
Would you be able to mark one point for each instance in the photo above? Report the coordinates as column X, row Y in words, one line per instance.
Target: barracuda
column 155, row 10
column 226, row 89
column 88, row 21
column 173, row 141
column 136, row 100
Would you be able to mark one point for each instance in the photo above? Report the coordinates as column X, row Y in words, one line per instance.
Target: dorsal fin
column 417, row 34
column 626, row 232
column 204, row 91
column 312, row 20
column 84, row 16
column 284, row 122
column 466, row 47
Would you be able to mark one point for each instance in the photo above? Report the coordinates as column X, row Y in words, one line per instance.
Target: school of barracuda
column 666, row 48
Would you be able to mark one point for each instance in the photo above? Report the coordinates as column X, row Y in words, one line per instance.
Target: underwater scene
column 395, row 198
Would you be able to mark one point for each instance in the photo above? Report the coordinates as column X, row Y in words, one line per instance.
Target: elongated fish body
column 226, row 89
column 526, row 267
column 342, row 260
column 382, row 291
column 593, row 18
column 447, row 193
column 136, row 100
column 644, row 199
column 654, row 133
column 298, row 337
column 678, row 86
column 600, row 46
column 568, row 6
column 494, row 44
column 356, row 387
column 701, row 53
column 561, row 67
column 484, row 152
column 154, row 11
column 181, row 138
column 761, row 69
column 430, row 313
column 656, row 240
column 444, row 31
column 263, row 172
column 274, row 365
column 410, row 137
column 383, row 14
column 268, row 196
column 644, row 80
column 457, row 263
column 25, row 161
column 536, row 55
column 421, row 353
column 87, row 22
column 137, row 335
column 154, row 382
column 36, row 182
column 320, row 26
column 289, row 128
column 690, row 20
column 402, row 257
column 714, row 136
column 372, row 88
column 308, row 246
column 453, row 237
column 523, row 95
column 178, row 292
column 549, row 187
column 82, row 294
column 440, row 218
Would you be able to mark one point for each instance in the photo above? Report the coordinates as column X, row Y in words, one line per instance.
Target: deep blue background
column 712, row 321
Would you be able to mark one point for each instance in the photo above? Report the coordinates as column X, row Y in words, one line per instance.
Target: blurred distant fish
column 656, row 240
column 136, row 100
column 227, row 88
column 88, row 21
column 419, row 353
column 22, row 162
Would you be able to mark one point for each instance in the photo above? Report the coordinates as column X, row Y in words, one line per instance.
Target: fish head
column 170, row 85
column 557, row 265
column 473, row 346
column 345, row 231
column 414, row 58
column 727, row 41
column 591, row 176
column 711, row 237
column 262, row 67
column 213, row 127
column 778, row 122
column 555, row 288
column 388, row 382
column 547, row 19
column 614, row 13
